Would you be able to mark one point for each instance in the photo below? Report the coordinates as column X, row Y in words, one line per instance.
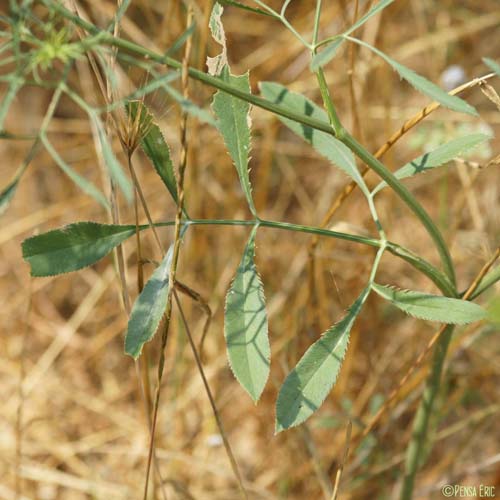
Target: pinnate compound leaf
column 149, row 308
column 494, row 66
column 329, row 52
column 72, row 247
column 440, row 156
column 432, row 307
column 245, row 325
column 309, row 383
column 325, row 144
column 154, row 145
column 422, row 84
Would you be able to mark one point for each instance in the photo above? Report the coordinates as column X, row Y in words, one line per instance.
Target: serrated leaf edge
column 353, row 310
column 422, row 295
column 27, row 241
column 261, row 295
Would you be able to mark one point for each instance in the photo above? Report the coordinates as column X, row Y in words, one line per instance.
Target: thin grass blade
column 239, row 5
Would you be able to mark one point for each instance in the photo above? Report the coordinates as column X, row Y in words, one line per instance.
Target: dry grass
column 72, row 424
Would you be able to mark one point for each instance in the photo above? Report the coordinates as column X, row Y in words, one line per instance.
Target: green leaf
column 245, row 325
column 72, row 247
column 494, row 66
column 441, row 155
column 309, row 383
column 154, row 145
column 323, row 143
column 149, row 308
column 327, row 54
column 233, row 115
column 422, row 84
column 432, row 307
column 233, row 122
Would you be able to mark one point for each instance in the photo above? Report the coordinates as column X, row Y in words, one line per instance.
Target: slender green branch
column 317, row 16
column 437, row 276
column 434, row 274
column 340, row 133
column 408, row 198
column 376, row 262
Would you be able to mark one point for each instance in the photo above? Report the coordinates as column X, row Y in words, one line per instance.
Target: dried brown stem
column 176, row 248
column 227, row 446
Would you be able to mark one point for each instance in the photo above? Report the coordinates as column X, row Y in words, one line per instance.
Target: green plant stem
column 434, row 274
column 421, row 422
column 408, row 198
column 378, row 167
column 340, row 133
column 317, row 16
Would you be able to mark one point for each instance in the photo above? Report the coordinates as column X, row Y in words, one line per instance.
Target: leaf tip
column 278, row 428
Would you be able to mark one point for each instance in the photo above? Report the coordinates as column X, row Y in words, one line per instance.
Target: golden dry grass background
column 77, row 429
